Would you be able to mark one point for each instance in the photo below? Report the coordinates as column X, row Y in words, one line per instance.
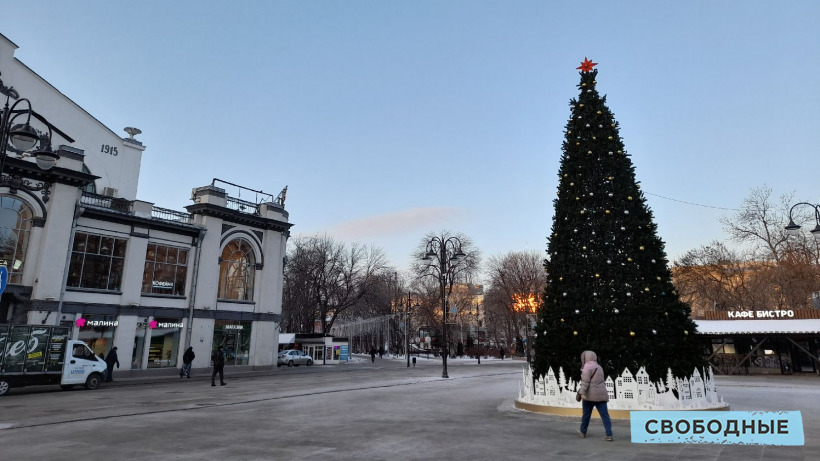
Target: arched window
column 15, row 227
column 236, row 271
column 91, row 187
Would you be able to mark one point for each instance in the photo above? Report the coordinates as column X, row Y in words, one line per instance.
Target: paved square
column 357, row 411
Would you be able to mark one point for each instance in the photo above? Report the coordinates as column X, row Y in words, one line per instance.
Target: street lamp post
column 444, row 256
column 17, row 133
column 406, row 328
column 478, row 330
column 529, row 324
column 794, row 229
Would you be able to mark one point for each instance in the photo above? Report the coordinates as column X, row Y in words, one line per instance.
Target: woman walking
column 592, row 393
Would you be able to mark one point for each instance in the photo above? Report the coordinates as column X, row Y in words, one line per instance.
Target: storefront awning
column 287, row 338
column 743, row 327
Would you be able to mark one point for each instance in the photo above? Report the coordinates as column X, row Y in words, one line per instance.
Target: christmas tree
column 609, row 287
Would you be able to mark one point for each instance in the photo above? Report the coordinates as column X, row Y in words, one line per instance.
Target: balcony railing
column 242, row 206
column 120, row 205
column 171, row 215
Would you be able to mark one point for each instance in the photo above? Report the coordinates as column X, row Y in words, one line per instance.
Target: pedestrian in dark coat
column 218, row 357
column 111, row 360
column 501, row 351
column 187, row 361
column 372, row 354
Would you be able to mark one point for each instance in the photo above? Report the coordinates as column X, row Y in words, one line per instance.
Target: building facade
column 748, row 341
column 82, row 250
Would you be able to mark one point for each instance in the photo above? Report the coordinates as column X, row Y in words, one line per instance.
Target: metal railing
column 103, row 201
column 242, row 206
column 165, row 214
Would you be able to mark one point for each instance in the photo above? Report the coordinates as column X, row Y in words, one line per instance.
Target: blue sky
column 390, row 119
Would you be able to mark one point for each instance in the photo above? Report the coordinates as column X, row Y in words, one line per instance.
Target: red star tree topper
column 586, row 65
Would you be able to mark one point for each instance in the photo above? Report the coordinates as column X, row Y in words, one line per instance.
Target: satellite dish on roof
column 132, row 131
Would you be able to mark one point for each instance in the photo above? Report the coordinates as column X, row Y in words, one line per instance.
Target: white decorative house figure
column 646, row 390
column 696, row 387
column 610, row 387
column 627, row 392
column 626, row 386
column 684, row 390
column 552, row 387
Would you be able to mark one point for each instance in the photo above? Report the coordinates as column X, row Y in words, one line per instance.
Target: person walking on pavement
column 592, row 393
column 372, row 355
column 187, row 361
column 111, row 360
column 219, row 364
column 501, row 351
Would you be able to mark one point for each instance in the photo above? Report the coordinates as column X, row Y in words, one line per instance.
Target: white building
column 82, row 250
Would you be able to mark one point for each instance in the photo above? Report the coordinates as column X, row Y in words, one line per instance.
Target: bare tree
column 759, row 224
column 325, row 278
column 767, row 270
column 517, row 280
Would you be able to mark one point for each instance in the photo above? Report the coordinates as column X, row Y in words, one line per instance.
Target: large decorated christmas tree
column 609, row 286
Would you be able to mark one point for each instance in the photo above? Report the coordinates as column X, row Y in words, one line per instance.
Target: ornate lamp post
column 407, row 329
column 17, row 134
column 794, row 229
column 443, row 257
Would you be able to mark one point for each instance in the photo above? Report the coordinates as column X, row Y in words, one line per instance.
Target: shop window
column 96, row 262
column 235, row 339
column 98, row 332
column 236, row 271
column 15, row 228
column 164, row 342
column 165, row 270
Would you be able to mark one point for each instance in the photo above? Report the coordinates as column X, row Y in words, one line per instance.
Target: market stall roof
column 720, row 327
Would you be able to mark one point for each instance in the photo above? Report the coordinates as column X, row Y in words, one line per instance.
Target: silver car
column 293, row 358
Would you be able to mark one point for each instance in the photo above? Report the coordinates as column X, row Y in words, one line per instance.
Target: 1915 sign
column 111, row 150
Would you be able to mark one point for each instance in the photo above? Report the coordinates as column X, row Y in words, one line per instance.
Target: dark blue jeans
column 602, row 410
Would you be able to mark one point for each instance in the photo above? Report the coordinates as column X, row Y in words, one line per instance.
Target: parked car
column 293, row 358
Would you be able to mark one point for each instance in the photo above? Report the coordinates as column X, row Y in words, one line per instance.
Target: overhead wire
column 692, row 203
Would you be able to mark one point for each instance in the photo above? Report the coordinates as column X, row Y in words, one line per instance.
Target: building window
column 627, row 379
column 96, row 262
column 91, row 188
column 15, row 227
column 164, row 342
column 165, row 270
column 235, row 339
column 236, row 271
column 628, row 394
